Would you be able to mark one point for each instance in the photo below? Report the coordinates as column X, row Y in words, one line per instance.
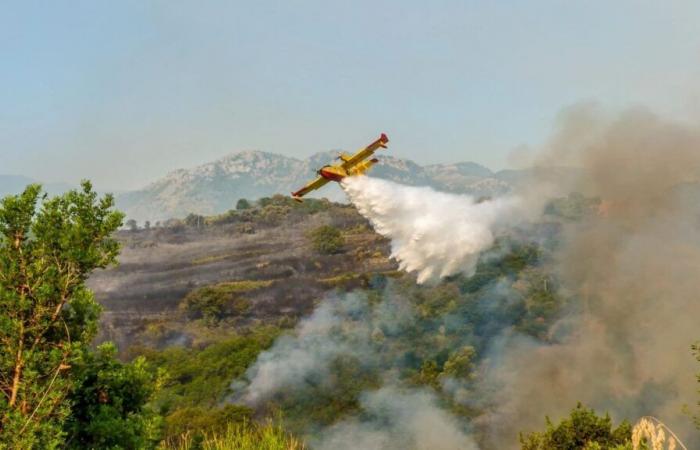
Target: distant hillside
column 215, row 187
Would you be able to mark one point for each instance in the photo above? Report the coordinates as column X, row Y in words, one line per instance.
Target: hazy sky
column 123, row 92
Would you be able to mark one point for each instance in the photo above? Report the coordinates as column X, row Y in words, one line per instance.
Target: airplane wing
column 317, row 183
column 366, row 152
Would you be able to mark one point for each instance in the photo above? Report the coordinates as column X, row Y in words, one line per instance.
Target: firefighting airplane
column 356, row 164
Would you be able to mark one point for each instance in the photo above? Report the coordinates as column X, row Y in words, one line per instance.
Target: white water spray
column 434, row 234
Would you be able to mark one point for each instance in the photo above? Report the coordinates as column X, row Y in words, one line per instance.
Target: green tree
column 194, row 220
column 584, row 430
column 48, row 316
column 199, row 379
column 213, row 303
column 460, row 364
column 243, row 204
column 132, row 225
column 108, row 403
column 327, row 240
column 428, row 374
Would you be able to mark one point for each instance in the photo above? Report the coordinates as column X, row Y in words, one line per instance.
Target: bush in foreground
column 583, row 429
column 109, row 405
column 246, row 436
column 48, row 315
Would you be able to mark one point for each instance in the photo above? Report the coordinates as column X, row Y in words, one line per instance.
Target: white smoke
column 344, row 326
column 398, row 419
column 392, row 417
column 434, row 234
column 293, row 359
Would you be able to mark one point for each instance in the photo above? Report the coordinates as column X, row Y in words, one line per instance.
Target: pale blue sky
column 123, row 92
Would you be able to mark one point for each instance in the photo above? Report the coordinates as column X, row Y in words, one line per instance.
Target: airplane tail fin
column 383, row 140
column 379, row 143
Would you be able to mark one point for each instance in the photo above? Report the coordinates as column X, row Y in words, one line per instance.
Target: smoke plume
column 336, row 328
column 392, row 417
column 400, row 420
column 635, row 269
column 631, row 268
column 432, row 233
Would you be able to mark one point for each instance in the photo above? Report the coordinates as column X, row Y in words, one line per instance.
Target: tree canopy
column 327, row 240
column 584, row 430
column 48, row 316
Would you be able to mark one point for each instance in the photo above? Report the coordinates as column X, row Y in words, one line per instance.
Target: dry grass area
column 270, row 263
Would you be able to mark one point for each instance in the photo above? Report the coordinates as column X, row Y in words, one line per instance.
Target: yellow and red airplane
column 350, row 165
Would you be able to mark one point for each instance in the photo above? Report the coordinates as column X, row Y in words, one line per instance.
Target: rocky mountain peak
column 216, row 186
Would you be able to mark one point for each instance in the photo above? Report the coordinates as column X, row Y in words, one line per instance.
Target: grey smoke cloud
column 635, row 268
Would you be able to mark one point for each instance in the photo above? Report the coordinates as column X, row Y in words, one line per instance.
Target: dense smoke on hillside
column 634, row 267
column 433, row 234
column 350, row 327
column 401, row 420
column 622, row 346
column 338, row 327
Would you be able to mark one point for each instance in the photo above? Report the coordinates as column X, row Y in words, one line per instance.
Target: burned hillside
column 253, row 266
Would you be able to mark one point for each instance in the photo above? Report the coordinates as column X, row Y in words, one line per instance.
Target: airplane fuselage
column 338, row 172
column 333, row 173
column 351, row 165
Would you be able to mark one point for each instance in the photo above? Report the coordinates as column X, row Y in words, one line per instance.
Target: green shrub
column 203, row 377
column 327, row 240
column 195, row 220
column 313, row 205
column 109, row 404
column 264, row 201
column 212, row 303
column 245, row 436
column 583, row 429
column 243, row 204
column 273, row 214
column 460, row 364
column 230, row 216
column 196, row 420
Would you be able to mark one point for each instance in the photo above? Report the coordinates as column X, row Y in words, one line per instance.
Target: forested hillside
column 202, row 297
column 288, row 325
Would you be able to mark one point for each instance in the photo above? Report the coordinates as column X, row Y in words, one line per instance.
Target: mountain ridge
column 216, row 186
